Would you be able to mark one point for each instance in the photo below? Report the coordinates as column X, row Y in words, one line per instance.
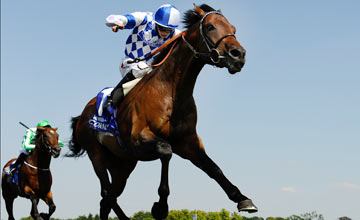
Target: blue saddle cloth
column 104, row 120
column 15, row 178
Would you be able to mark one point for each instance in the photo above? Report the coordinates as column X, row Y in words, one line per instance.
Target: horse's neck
column 182, row 70
column 39, row 158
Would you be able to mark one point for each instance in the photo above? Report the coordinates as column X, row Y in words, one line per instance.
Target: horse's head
column 218, row 46
column 48, row 140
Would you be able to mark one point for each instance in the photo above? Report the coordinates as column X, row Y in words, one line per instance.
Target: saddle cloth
column 104, row 120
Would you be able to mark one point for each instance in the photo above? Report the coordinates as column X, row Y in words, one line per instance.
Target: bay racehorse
column 158, row 116
column 34, row 176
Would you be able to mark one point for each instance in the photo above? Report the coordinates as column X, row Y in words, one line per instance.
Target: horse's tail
column 75, row 149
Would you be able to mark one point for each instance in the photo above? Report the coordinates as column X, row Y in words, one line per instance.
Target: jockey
column 28, row 144
column 149, row 32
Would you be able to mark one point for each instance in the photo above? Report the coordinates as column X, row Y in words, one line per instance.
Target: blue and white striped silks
column 144, row 38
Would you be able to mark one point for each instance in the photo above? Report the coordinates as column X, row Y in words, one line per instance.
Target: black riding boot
column 117, row 94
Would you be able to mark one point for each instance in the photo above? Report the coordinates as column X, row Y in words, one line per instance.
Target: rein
column 158, row 64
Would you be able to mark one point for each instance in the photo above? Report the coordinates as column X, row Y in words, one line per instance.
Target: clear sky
column 285, row 130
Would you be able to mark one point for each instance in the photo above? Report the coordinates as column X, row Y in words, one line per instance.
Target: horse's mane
column 190, row 18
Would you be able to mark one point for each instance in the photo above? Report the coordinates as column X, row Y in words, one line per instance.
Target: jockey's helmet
column 43, row 123
column 167, row 16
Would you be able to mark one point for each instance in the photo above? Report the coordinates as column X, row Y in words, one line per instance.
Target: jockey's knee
column 139, row 73
column 138, row 69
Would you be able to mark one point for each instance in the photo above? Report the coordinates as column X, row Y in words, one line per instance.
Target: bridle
column 212, row 52
column 46, row 147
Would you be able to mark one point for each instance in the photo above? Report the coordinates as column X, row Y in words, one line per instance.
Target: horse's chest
column 182, row 128
column 40, row 184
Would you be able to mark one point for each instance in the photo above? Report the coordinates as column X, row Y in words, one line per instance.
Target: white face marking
column 52, row 132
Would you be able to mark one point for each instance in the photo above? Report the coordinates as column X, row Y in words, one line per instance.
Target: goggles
column 164, row 29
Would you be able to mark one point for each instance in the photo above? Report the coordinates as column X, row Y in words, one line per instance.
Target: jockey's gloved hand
column 60, row 143
column 118, row 26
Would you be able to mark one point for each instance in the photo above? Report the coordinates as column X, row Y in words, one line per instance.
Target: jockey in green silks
column 28, row 144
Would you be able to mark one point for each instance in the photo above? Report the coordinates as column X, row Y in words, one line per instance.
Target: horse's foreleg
column 34, row 210
column 34, row 201
column 49, row 201
column 194, row 151
column 160, row 210
column 158, row 148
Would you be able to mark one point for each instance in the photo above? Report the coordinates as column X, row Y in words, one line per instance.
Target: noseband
column 212, row 53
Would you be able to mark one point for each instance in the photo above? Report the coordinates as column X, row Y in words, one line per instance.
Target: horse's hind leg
column 101, row 172
column 100, row 159
column 9, row 207
column 119, row 174
column 8, row 196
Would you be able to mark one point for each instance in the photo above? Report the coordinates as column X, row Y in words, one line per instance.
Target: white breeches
column 139, row 69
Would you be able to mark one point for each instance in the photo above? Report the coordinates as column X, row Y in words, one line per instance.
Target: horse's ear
column 40, row 128
column 55, row 129
column 199, row 11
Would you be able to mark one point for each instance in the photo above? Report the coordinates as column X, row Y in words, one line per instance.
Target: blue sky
column 285, row 129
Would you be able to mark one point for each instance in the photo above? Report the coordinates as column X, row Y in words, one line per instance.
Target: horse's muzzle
column 235, row 60
column 235, row 66
column 55, row 151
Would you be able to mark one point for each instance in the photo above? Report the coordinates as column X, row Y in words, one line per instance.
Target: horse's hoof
column 160, row 211
column 45, row 216
column 247, row 206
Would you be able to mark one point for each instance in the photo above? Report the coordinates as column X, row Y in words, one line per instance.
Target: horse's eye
column 210, row 27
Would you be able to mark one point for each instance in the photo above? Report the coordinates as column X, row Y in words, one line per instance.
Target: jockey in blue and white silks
column 149, row 32
column 145, row 37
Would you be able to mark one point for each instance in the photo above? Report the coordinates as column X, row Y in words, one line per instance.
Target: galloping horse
column 158, row 116
column 34, row 177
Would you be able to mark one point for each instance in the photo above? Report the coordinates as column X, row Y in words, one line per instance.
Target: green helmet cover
column 43, row 123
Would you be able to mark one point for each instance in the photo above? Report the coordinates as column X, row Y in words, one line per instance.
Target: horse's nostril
column 237, row 53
